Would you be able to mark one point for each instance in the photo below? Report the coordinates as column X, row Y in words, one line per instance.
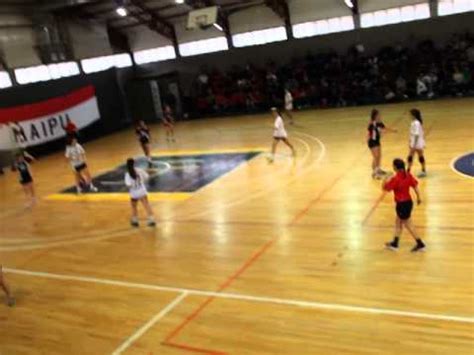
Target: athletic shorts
column 372, row 143
column 279, row 138
column 80, row 167
column 26, row 180
column 404, row 209
column 144, row 140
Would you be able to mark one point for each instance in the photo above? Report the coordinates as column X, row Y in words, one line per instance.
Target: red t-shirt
column 400, row 185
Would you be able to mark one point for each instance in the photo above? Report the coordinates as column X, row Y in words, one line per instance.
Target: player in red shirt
column 400, row 184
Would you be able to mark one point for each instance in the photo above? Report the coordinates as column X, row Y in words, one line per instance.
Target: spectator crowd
column 395, row 73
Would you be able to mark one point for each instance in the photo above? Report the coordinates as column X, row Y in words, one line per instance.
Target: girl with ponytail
column 417, row 141
column 135, row 180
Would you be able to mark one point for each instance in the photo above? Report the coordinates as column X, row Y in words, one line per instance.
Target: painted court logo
column 464, row 165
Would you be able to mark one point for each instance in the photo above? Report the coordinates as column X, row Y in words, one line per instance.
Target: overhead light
column 121, row 11
column 219, row 27
column 349, row 3
column 179, row 1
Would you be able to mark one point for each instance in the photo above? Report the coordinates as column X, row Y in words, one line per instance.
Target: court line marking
column 118, row 196
column 374, row 207
column 248, row 262
column 151, row 323
column 250, row 298
column 455, row 159
column 321, row 156
column 261, row 192
column 67, row 242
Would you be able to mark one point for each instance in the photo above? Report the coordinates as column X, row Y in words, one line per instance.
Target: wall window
column 154, row 55
column 395, row 15
column 93, row 65
column 449, row 7
column 46, row 72
column 204, row 46
column 5, row 80
column 254, row 38
column 321, row 27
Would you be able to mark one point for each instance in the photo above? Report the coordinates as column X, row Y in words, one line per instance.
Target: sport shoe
column 78, row 190
column 391, row 246
column 422, row 174
column 417, row 248
column 94, row 189
column 151, row 223
column 134, row 223
column 11, row 302
column 270, row 160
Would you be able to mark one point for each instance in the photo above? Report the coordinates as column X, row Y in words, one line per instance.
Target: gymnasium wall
column 109, row 91
column 17, row 41
column 439, row 29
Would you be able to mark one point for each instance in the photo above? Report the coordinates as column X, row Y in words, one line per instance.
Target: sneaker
column 270, row 160
column 391, row 246
column 11, row 302
column 94, row 189
column 422, row 174
column 151, row 223
column 78, row 190
column 134, row 223
column 418, row 248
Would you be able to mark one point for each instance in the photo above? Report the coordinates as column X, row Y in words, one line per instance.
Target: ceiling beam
column 280, row 7
column 156, row 24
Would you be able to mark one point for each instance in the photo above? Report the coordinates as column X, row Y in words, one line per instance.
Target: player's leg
column 421, row 159
column 149, row 211
column 78, row 179
column 6, row 289
column 274, row 146
column 393, row 245
column 146, row 150
column 287, row 142
column 420, row 245
column 411, row 153
column 86, row 175
column 134, row 218
column 290, row 116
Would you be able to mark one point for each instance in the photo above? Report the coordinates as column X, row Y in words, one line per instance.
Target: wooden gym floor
column 268, row 259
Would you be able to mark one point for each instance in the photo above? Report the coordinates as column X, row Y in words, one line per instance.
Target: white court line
column 68, row 241
column 130, row 340
column 241, row 297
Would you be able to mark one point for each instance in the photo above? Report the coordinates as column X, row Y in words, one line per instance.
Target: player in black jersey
column 374, row 133
column 26, row 179
column 144, row 137
column 168, row 123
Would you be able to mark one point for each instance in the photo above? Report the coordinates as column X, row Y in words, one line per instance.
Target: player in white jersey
column 279, row 134
column 289, row 105
column 135, row 180
column 77, row 158
column 417, row 141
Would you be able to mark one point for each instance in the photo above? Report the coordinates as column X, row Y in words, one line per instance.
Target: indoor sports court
column 249, row 252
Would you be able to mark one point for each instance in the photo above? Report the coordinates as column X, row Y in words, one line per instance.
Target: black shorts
column 144, row 140
column 81, row 167
column 404, row 209
column 373, row 143
column 26, row 180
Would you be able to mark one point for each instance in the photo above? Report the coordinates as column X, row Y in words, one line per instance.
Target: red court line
column 175, row 332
